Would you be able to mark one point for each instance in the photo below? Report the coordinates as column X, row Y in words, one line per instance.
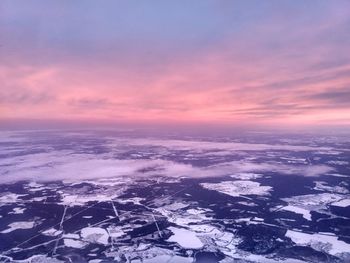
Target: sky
column 269, row 63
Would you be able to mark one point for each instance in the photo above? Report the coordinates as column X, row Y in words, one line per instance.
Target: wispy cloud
column 240, row 62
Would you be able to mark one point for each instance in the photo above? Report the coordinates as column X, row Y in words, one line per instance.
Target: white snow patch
column 74, row 243
column 9, row 198
column 246, row 176
column 115, row 231
column 52, row 232
column 238, row 188
column 39, row 199
column 342, row 203
column 18, row 225
column 298, row 210
column 326, row 243
column 185, row 238
column 135, row 200
column 323, row 186
column 314, row 202
column 95, row 235
column 18, row 210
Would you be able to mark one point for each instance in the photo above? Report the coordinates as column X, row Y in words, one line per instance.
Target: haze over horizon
column 248, row 63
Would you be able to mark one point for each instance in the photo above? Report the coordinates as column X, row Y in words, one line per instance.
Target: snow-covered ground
column 238, row 188
column 321, row 242
column 185, row 238
column 18, row 225
column 342, row 203
column 306, row 213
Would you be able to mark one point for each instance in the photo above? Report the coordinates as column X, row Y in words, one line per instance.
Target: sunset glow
column 230, row 62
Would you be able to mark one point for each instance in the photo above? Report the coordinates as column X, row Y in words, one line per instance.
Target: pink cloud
column 277, row 72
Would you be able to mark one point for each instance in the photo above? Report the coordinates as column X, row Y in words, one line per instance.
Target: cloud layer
column 230, row 62
column 30, row 158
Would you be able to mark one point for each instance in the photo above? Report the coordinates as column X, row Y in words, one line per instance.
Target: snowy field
column 103, row 196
